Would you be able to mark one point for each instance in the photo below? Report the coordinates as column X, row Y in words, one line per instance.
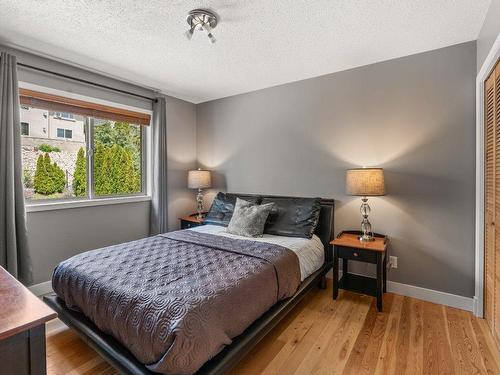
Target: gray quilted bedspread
column 176, row 299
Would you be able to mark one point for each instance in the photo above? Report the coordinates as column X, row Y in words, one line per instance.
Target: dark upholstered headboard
column 324, row 230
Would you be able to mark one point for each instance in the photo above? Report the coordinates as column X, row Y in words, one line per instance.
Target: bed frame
column 120, row 358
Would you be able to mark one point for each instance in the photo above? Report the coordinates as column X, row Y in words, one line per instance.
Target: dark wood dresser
column 22, row 328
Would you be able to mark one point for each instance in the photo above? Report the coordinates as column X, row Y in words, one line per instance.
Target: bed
column 122, row 345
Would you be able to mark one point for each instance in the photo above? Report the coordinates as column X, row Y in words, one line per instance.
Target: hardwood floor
column 347, row 336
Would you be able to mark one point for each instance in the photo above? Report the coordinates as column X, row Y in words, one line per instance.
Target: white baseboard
column 429, row 295
column 478, row 310
column 55, row 326
column 41, row 289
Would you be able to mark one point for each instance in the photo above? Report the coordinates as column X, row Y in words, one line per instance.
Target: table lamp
column 199, row 179
column 365, row 182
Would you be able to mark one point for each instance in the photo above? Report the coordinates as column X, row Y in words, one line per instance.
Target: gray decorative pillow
column 249, row 218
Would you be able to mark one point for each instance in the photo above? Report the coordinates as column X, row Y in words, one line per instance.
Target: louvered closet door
column 496, row 313
column 489, row 201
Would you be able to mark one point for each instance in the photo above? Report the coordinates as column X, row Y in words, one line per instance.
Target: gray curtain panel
column 158, row 222
column 14, row 252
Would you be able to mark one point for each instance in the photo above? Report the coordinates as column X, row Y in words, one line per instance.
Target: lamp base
column 366, row 238
column 366, row 227
column 199, row 204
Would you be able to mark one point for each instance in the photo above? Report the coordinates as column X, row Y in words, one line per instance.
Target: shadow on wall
column 423, row 211
column 429, row 231
column 181, row 200
column 218, row 184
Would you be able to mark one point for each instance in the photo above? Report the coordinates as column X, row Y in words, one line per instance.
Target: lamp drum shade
column 365, row 182
column 199, row 179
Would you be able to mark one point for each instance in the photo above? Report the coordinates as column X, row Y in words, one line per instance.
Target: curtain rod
column 86, row 82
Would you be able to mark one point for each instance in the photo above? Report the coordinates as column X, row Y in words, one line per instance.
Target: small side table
column 348, row 247
column 191, row 221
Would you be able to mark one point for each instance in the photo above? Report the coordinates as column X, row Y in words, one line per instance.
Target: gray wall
column 489, row 32
column 57, row 235
column 413, row 116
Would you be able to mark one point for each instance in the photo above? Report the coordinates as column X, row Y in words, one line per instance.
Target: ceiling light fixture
column 201, row 20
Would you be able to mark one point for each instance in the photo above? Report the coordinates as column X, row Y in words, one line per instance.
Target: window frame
column 91, row 199
column 64, row 132
column 25, row 123
column 59, row 115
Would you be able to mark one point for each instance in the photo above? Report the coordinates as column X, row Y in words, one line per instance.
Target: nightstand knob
column 356, row 254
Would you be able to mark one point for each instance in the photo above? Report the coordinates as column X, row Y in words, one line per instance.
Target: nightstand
column 191, row 221
column 348, row 247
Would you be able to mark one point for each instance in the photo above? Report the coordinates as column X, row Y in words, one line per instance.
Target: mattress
column 310, row 252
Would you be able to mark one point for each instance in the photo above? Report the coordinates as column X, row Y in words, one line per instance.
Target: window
column 65, row 116
column 64, row 133
column 105, row 158
column 25, row 128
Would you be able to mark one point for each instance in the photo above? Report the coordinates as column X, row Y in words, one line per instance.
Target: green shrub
column 117, row 158
column 114, row 171
column 49, row 178
column 27, row 179
column 48, row 148
column 109, row 133
column 58, row 178
column 80, row 177
column 41, row 180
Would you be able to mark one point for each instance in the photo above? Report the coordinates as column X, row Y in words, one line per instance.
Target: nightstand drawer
column 191, row 221
column 188, row 224
column 369, row 256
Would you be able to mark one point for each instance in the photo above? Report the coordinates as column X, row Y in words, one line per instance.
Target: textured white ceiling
column 260, row 43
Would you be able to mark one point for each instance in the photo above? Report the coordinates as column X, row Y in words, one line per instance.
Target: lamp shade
column 199, row 179
column 365, row 182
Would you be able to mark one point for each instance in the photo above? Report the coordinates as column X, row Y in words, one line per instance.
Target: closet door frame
column 488, row 65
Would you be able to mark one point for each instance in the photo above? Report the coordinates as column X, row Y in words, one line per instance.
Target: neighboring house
column 34, row 122
column 40, row 123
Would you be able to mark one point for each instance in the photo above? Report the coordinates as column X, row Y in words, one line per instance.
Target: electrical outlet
column 393, row 261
